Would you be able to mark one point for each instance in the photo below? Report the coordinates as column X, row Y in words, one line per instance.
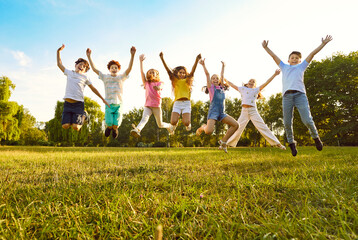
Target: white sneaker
column 171, row 129
column 188, row 128
column 222, row 146
column 135, row 132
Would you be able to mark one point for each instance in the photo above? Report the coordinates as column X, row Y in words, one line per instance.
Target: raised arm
column 277, row 72
column 195, row 64
column 89, row 52
column 314, row 52
column 232, row 85
column 275, row 58
column 59, row 61
column 222, row 73
column 98, row 94
column 141, row 59
column 169, row 71
column 133, row 50
column 208, row 80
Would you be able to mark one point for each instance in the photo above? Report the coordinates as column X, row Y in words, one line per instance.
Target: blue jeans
column 300, row 101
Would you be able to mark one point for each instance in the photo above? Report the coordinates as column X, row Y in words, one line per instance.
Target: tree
column 9, row 129
column 332, row 90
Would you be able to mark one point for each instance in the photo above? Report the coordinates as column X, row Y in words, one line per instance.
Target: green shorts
column 113, row 115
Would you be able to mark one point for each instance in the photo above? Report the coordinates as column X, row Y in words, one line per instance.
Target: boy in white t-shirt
column 73, row 111
column 294, row 92
column 113, row 84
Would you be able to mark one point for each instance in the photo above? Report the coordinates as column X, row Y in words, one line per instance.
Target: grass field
column 194, row 193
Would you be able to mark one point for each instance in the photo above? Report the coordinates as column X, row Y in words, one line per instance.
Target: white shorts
column 182, row 107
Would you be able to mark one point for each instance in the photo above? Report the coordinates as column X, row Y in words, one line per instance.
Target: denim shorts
column 216, row 114
column 73, row 113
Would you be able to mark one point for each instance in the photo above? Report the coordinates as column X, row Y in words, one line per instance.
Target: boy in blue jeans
column 74, row 114
column 294, row 92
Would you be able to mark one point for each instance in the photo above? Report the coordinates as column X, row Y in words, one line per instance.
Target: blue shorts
column 73, row 113
column 216, row 115
column 113, row 115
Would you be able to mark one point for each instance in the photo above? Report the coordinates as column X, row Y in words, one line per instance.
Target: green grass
column 194, row 193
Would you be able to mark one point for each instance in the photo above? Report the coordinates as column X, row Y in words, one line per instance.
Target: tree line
column 331, row 86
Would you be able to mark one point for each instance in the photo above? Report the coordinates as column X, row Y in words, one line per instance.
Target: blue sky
column 228, row 30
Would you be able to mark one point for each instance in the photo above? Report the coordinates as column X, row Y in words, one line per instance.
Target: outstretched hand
column 277, row 72
column 161, row 54
column 223, row 64
column 202, row 61
column 61, row 48
column 141, row 57
column 265, row 43
column 198, row 57
column 88, row 52
column 327, row 39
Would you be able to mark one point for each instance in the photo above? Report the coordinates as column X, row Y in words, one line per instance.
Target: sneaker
column 188, row 128
column 171, row 130
column 280, row 146
column 115, row 133
column 200, row 130
column 135, row 132
column 318, row 143
column 293, row 149
column 107, row 132
column 222, row 146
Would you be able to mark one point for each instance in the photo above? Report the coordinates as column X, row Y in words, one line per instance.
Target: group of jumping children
column 293, row 91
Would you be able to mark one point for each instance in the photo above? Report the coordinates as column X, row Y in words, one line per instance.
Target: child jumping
column 153, row 100
column 216, row 89
column 181, row 84
column 249, row 94
column 113, row 85
column 294, row 92
column 74, row 114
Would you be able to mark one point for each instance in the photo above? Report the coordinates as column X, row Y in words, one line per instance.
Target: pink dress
column 152, row 96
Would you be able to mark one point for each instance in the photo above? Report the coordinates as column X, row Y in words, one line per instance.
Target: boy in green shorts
column 113, row 84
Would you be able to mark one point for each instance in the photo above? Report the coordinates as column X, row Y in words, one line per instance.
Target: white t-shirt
column 75, row 86
column 113, row 87
column 249, row 95
column 292, row 76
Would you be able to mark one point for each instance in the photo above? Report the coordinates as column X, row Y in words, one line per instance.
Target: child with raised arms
column 249, row 94
column 113, row 85
column 182, row 82
column 216, row 89
column 74, row 114
column 294, row 92
column 153, row 100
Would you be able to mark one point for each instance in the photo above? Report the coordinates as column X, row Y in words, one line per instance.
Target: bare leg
column 233, row 127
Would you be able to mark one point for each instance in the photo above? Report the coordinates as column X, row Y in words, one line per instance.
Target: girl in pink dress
column 153, row 100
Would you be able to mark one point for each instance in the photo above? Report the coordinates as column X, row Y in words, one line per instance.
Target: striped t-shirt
column 113, row 87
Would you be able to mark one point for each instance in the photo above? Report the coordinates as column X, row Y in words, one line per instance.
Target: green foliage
column 5, row 88
column 332, row 90
column 9, row 124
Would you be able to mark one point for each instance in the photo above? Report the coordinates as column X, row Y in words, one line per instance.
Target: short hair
column 113, row 62
column 84, row 61
column 296, row 53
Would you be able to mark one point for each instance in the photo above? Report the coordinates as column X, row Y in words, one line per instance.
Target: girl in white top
column 249, row 94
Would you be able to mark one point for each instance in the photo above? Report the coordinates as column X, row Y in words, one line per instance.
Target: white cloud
column 22, row 58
